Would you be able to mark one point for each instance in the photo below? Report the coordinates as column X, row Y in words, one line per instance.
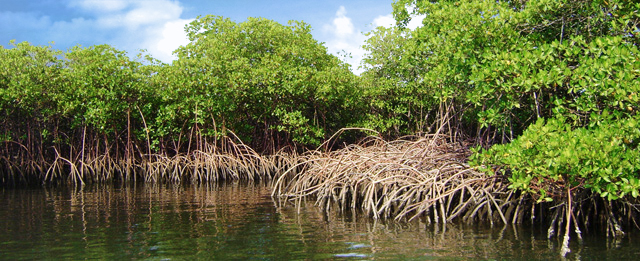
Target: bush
column 551, row 157
column 269, row 83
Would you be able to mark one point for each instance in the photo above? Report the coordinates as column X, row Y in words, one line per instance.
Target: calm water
column 236, row 221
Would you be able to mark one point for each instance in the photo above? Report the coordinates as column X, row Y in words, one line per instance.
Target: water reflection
column 236, row 221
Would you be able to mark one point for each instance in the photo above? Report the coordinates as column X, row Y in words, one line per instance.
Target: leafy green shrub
column 497, row 66
column 29, row 84
column 103, row 88
column 267, row 82
column 399, row 104
column 551, row 157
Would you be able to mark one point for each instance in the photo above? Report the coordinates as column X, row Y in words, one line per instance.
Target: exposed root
column 231, row 161
column 403, row 179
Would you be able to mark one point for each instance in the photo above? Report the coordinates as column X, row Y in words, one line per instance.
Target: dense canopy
column 549, row 89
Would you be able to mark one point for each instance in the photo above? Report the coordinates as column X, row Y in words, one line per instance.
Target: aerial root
column 233, row 161
column 403, row 179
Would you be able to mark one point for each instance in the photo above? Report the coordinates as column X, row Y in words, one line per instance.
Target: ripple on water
column 357, row 245
column 351, row 255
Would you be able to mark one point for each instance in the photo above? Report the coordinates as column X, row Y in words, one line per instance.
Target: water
column 242, row 222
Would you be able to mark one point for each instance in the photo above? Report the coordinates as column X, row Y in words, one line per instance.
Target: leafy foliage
column 502, row 64
column 399, row 99
column 103, row 86
column 28, row 95
column 265, row 81
column 562, row 74
column 550, row 157
column 497, row 69
column 270, row 84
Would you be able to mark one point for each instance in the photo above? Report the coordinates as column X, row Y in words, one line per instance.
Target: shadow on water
column 241, row 221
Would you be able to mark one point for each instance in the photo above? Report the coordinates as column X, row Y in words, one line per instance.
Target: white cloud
column 388, row 21
column 138, row 24
column 130, row 13
column 110, row 21
column 416, row 21
column 344, row 38
column 384, row 20
column 173, row 36
column 342, row 25
column 153, row 13
column 128, row 25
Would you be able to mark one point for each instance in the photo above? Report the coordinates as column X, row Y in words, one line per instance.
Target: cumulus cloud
column 342, row 25
column 388, row 21
column 345, row 39
column 130, row 25
column 416, row 21
column 172, row 36
column 153, row 13
column 152, row 25
column 384, row 20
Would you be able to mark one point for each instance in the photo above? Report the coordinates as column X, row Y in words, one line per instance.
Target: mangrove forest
column 520, row 111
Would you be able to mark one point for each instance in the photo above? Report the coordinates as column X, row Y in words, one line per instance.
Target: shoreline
column 417, row 177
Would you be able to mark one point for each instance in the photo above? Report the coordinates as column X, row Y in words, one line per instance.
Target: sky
column 158, row 25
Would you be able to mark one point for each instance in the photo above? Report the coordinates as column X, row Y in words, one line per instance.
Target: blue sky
column 157, row 25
